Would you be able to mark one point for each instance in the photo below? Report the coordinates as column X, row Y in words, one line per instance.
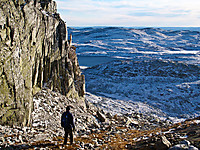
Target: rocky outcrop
column 34, row 53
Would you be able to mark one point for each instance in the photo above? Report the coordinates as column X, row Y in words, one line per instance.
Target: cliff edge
column 34, row 53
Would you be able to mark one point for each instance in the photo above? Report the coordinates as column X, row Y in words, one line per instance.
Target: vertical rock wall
column 34, row 52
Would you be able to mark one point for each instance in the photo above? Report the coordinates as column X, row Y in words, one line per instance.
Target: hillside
column 97, row 128
column 155, row 67
column 138, row 43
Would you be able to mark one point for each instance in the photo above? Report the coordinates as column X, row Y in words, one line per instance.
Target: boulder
column 109, row 115
column 184, row 145
column 96, row 124
column 132, row 122
column 101, row 117
column 162, row 144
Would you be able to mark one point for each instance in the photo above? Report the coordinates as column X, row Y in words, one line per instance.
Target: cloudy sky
column 131, row 13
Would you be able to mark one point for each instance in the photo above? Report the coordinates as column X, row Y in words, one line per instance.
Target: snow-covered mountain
column 156, row 67
column 134, row 44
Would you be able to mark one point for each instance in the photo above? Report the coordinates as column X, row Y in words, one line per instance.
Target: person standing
column 67, row 122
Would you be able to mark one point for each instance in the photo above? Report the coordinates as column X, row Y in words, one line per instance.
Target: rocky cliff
column 34, row 53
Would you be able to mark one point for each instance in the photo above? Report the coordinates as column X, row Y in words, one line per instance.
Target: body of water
column 89, row 61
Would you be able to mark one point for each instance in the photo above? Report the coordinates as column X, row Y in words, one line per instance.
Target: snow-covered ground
column 155, row 69
column 168, row 86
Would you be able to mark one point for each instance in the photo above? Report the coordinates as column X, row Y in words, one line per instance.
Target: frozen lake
column 89, row 61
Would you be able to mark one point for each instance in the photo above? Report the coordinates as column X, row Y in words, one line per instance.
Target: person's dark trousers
column 68, row 132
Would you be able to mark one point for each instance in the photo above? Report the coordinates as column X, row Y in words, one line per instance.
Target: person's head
column 67, row 108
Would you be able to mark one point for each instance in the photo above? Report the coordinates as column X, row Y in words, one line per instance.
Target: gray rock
column 179, row 147
column 82, row 144
column 185, row 142
column 191, row 147
column 88, row 146
column 109, row 115
column 101, row 117
column 132, row 122
column 163, row 144
column 20, row 138
column 185, row 145
column 129, row 146
column 2, row 140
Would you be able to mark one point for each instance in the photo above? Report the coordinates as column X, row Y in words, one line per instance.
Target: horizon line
column 133, row 26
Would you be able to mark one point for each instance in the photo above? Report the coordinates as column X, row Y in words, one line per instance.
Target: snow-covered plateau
column 149, row 70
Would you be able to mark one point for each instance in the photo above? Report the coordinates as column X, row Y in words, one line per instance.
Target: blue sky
column 130, row 13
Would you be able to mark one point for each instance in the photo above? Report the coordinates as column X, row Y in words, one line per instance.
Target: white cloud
column 130, row 13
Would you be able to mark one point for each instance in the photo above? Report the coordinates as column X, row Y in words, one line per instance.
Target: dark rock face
column 34, row 52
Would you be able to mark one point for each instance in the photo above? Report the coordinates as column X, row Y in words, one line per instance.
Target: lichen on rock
column 34, row 52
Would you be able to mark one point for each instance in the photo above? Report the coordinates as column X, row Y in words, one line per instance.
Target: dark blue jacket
column 67, row 120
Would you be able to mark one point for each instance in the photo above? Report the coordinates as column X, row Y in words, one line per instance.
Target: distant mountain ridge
column 138, row 43
column 138, row 27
